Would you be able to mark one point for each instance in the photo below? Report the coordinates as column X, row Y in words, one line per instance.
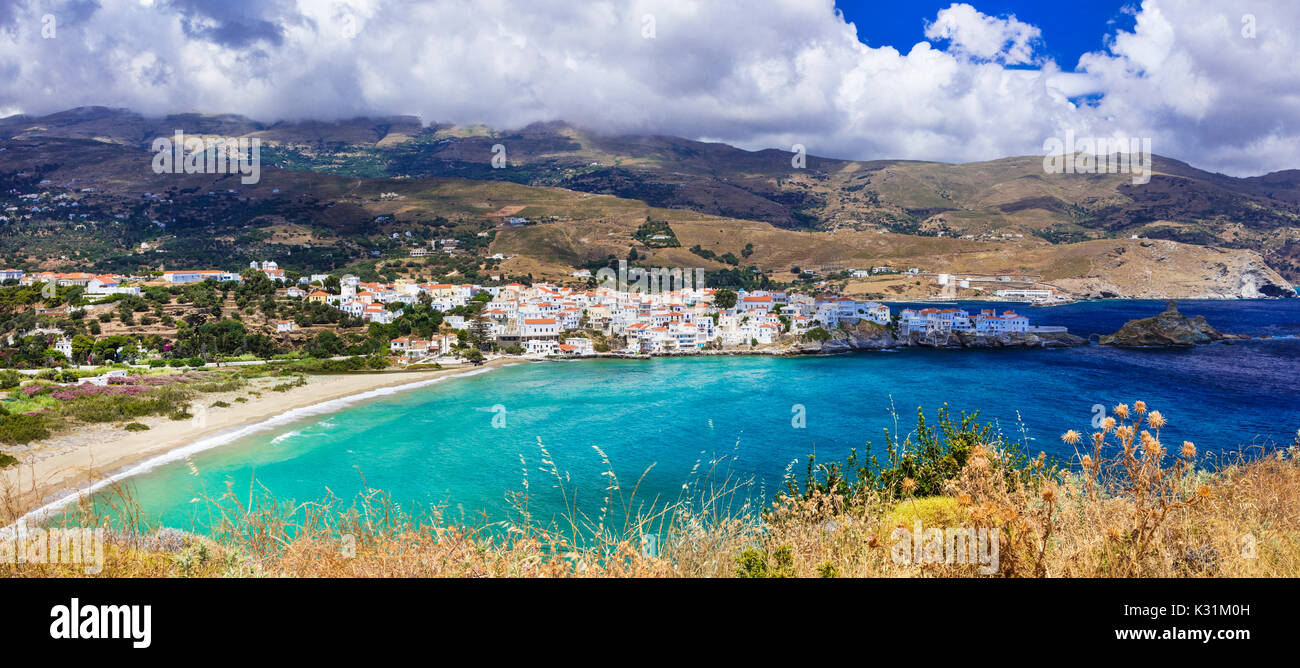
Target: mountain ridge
column 1007, row 204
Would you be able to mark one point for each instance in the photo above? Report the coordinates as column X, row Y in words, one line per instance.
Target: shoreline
column 89, row 458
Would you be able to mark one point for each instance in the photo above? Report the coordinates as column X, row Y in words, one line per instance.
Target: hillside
column 368, row 191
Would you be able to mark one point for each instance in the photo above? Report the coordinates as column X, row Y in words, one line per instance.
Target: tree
column 724, row 298
column 480, row 332
column 82, row 346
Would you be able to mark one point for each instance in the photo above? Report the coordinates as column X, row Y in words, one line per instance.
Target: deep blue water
column 662, row 417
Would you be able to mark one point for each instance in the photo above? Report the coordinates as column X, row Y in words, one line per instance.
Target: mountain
column 331, row 178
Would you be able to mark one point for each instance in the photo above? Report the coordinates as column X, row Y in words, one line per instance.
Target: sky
column 1210, row 82
column 1069, row 29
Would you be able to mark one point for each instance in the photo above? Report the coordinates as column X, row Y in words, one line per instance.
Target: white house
column 539, row 327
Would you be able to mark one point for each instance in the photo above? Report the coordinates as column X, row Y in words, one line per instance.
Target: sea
column 586, row 437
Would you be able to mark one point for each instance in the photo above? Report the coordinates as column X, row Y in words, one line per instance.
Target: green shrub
column 754, row 563
column 220, row 404
column 136, row 426
column 816, row 334
column 936, row 455
column 7, row 460
column 117, row 408
column 285, row 387
column 19, row 429
column 179, row 415
column 9, row 379
column 931, row 511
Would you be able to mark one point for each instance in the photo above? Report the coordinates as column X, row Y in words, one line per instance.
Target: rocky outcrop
column 862, row 335
column 1004, row 340
column 870, row 336
column 1170, row 328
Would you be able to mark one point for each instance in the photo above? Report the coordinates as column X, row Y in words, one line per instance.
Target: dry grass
column 1126, row 506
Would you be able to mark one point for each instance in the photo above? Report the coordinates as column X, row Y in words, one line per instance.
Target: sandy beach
column 73, row 460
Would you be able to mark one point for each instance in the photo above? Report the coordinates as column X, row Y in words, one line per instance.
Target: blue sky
column 1070, row 28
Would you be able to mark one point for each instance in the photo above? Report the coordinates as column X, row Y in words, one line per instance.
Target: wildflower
column 1140, row 407
column 1107, row 424
column 1122, row 411
column 1156, row 420
column 1071, row 437
column 1189, row 450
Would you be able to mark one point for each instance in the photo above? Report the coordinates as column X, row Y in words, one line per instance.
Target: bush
column 817, row 334
column 754, row 563
column 118, row 407
column 19, row 429
column 913, row 468
column 136, row 426
column 6, row 461
column 931, row 511
column 179, row 415
column 9, row 379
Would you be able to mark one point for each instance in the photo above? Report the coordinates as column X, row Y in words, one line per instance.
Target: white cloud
column 756, row 74
column 984, row 37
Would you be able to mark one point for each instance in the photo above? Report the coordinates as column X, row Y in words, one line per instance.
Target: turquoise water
column 662, row 417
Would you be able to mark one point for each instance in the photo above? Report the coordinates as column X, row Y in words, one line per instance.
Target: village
column 545, row 320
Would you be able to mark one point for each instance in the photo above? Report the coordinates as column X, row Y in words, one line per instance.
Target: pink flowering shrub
column 71, row 392
column 35, row 389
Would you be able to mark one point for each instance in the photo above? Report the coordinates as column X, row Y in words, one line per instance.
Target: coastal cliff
column 1160, row 269
column 1170, row 328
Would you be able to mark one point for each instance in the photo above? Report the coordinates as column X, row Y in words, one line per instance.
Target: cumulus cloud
column 971, row 33
column 769, row 74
